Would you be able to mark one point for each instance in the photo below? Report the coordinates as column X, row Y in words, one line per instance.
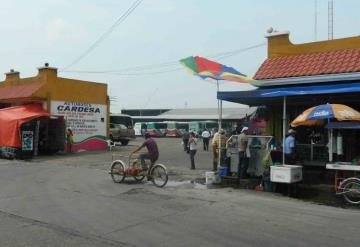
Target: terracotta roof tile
column 343, row 61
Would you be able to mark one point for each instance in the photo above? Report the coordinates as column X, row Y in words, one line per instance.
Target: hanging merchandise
column 339, row 144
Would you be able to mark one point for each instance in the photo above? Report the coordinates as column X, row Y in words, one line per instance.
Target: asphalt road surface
column 70, row 200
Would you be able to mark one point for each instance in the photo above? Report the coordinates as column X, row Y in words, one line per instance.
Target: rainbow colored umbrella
column 316, row 115
column 205, row 68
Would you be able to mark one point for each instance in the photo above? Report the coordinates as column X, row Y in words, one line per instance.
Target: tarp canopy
column 11, row 120
column 260, row 96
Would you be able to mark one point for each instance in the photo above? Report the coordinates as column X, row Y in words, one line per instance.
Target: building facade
column 83, row 104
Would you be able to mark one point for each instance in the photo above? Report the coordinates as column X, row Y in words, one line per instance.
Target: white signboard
column 86, row 120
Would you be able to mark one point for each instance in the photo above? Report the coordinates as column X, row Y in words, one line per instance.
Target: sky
column 145, row 48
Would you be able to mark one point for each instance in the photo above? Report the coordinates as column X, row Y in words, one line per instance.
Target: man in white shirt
column 206, row 138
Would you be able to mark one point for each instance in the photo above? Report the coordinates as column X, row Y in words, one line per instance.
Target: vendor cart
column 346, row 181
column 343, row 170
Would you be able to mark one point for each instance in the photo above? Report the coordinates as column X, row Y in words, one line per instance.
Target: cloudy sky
column 143, row 50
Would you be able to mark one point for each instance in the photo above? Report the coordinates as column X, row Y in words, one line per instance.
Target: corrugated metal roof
column 207, row 113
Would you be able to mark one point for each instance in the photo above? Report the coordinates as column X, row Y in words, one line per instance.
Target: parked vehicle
column 176, row 129
column 156, row 129
column 140, row 129
column 121, row 128
column 120, row 133
column 199, row 126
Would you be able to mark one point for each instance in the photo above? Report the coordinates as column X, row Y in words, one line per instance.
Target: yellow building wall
column 62, row 89
column 280, row 45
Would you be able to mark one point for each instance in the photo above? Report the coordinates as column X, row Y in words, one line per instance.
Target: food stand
column 343, row 170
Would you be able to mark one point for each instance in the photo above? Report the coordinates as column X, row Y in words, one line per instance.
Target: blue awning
column 258, row 96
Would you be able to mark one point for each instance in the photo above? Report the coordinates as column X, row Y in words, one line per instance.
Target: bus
column 140, row 129
column 209, row 125
column 156, row 129
column 199, row 126
column 176, row 129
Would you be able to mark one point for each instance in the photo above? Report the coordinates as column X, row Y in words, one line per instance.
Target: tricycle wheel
column 117, row 171
column 158, row 175
column 351, row 190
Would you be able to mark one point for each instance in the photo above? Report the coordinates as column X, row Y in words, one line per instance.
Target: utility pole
column 330, row 20
column 315, row 20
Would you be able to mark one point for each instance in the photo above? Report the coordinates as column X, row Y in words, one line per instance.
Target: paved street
column 70, row 200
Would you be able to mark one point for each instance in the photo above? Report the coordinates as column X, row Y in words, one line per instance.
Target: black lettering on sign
column 73, row 108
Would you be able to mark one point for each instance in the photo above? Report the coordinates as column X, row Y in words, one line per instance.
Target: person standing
column 242, row 146
column 215, row 136
column 218, row 147
column 192, row 149
column 289, row 147
column 69, row 140
column 185, row 139
column 206, row 138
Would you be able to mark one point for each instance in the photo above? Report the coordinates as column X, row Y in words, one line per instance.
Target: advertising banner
column 87, row 122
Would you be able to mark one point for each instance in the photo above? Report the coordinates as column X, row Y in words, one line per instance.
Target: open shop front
column 284, row 104
column 344, row 160
column 29, row 130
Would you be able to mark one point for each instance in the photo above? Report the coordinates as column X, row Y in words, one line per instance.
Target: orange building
column 84, row 105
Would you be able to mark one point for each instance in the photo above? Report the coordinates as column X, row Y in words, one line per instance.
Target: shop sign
column 86, row 120
column 27, row 138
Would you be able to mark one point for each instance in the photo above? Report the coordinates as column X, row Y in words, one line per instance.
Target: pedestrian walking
column 185, row 139
column 206, row 138
column 193, row 149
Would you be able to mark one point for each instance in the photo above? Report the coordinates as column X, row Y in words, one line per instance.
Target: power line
column 149, row 69
column 121, row 19
column 223, row 55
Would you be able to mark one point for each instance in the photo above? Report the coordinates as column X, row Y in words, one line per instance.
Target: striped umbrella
column 316, row 115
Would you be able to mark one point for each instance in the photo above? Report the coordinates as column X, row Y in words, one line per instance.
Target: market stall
column 348, row 164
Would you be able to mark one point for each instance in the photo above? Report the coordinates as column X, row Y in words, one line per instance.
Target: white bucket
column 211, row 178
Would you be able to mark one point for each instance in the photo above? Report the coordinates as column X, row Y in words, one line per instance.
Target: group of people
column 190, row 142
column 205, row 135
column 218, row 144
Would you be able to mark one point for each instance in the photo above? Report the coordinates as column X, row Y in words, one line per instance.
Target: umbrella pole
column 284, row 128
column 220, row 126
column 331, row 145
